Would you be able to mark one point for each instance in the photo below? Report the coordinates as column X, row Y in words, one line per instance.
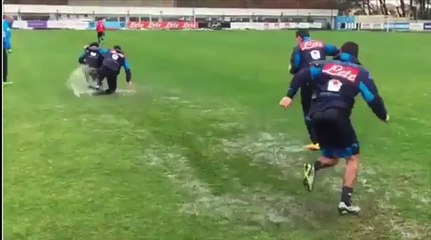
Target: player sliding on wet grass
column 335, row 84
column 102, row 63
column 92, row 59
column 112, row 63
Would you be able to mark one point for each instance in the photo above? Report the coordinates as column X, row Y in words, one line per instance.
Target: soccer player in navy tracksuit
column 335, row 84
column 7, row 47
column 92, row 57
column 113, row 60
column 306, row 51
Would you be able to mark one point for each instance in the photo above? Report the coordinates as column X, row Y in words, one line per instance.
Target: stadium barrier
column 67, row 24
column 416, row 27
column 109, row 25
column 345, row 22
column 164, row 25
column 57, row 24
column 397, row 26
column 380, row 23
column 372, row 26
column 274, row 26
column 85, row 24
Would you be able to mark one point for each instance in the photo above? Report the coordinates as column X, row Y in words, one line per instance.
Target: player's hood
column 93, row 48
column 117, row 48
column 349, row 52
column 118, row 51
column 306, row 39
column 346, row 57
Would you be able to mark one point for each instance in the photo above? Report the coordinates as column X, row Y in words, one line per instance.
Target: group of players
column 101, row 63
column 328, row 89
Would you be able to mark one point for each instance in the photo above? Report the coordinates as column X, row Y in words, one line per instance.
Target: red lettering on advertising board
column 162, row 25
column 134, row 25
column 345, row 72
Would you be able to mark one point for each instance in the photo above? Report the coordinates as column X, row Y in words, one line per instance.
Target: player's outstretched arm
column 298, row 80
column 82, row 58
column 295, row 60
column 371, row 95
column 331, row 50
column 128, row 71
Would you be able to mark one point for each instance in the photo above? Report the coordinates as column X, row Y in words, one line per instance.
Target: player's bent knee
column 353, row 161
column 328, row 161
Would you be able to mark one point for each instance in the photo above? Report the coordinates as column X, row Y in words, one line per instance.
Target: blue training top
column 308, row 51
column 336, row 83
column 7, row 34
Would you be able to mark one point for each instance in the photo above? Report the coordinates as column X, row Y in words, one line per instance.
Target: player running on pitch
column 100, row 29
column 113, row 60
column 336, row 83
column 306, row 51
column 92, row 58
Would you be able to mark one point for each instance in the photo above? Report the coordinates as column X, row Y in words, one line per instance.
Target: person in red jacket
column 100, row 28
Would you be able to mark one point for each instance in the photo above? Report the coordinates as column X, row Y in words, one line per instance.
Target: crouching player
column 92, row 58
column 112, row 62
column 336, row 83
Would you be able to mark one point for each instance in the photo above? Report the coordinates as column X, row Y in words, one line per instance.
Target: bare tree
column 424, row 9
column 428, row 9
column 369, row 6
column 403, row 8
column 413, row 10
column 383, row 7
